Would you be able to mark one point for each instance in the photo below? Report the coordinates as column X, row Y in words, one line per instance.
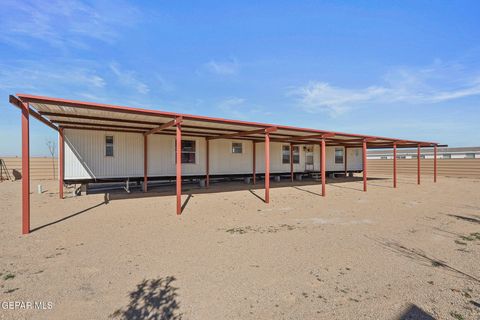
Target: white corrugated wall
column 85, row 156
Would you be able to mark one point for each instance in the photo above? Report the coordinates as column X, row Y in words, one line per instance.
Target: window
column 401, row 157
column 338, row 155
column 286, row 154
column 383, row 157
column 237, row 147
column 188, row 151
column 469, row 155
column 296, row 154
column 447, row 156
column 109, row 146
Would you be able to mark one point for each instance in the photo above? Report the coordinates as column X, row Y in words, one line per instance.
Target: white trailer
column 108, row 155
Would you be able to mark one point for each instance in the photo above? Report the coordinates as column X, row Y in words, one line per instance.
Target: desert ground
column 406, row 253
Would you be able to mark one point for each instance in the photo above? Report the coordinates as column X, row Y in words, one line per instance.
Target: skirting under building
column 101, row 143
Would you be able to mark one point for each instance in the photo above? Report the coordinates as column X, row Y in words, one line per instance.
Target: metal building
column 100, row 142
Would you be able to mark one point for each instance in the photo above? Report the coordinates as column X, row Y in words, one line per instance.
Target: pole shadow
column 186, row 202
column 256, row 195
column 308, row 191
column 72, row 215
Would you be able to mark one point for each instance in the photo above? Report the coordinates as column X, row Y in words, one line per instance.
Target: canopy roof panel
column 62, row 113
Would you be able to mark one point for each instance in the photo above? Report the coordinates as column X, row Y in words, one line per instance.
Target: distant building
column 427, row 153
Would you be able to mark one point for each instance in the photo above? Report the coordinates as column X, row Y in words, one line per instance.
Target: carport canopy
column 60, row 114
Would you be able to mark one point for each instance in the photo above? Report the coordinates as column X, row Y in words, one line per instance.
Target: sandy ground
column 384, row 254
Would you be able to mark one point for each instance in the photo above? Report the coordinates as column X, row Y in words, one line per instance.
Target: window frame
column 182, row 152
column 233, row 147
column 295, row 153
column 107, row 144
column 343, row 156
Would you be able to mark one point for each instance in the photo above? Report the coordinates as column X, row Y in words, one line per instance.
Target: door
column 309, row 158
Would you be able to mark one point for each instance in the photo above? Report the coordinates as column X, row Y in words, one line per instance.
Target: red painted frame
column 267, row 167
column 364, row 154
column 418, row 164
column 61, row 160
column 179, row 168
column 254, row 165
column 25, row 168
column 145, row 163
column 394, row 165
column 24, row 99
column 323, row 167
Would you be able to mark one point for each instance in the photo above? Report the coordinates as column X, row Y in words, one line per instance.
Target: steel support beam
column 61, row 161
column 346, row 160
column 364, row 154
column 254, row 162
column 19, row 104
column 418, row 164
column 25, row 169
column 179, row 168
column 145, row 163
column 435, row 163
column 267, row 167
column 207, row 164
column 291, row 162
column 243, row 133
column 394, row 165
column 174, row 122
column 323, row 167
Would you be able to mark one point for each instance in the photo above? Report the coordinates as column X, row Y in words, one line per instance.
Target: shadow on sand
column 72, row 215
column 422, row 258
column 465, row 218
column 154, row 299
column 413, row 312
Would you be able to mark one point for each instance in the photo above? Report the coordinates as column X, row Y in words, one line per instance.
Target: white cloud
column 129, row 79
column 223, row 68
column 44, row 78
column 434, row 84
column 63, row 23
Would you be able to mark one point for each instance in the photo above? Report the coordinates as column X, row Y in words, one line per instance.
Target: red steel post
column 267, row 167
column 207, row 165
column 364, row 165
column 418, row 164
column 145, row 163
column 291, row 161
column 61, row 164
column 435, row 163
column 394, row 165
column 179, row 168
column 323, row 167
column 254, row 163
column 25, row 169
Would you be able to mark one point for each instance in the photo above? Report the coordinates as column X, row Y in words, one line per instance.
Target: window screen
column 338, row 155
column 188, row 151
column 109, row 146
column 296, row 154
column 237, row 147
column 286, row 154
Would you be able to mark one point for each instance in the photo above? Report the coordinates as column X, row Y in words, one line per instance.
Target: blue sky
column 408, row 69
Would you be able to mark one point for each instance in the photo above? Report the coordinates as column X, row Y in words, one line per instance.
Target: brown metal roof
column 73, row 114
